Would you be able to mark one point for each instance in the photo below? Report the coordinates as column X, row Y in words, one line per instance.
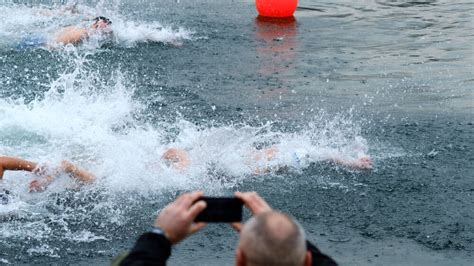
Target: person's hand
column 41, row 170
column 364, row 163
column 254, row 202
column 38, row 185
column 360, row 163
column 177, row 219
column 67, row 167
column 45, row 175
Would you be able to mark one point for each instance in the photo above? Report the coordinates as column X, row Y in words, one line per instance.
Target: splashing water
column 91, row 121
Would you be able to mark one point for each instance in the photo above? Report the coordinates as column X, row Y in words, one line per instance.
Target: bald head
column 272, row 238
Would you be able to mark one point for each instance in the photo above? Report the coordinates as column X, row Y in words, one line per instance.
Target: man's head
column 272, row 238
column 100, row 23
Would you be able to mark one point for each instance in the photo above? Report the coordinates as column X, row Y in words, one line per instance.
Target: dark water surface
column 395, row 77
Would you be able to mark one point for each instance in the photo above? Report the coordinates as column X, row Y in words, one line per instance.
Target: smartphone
column 221, row 210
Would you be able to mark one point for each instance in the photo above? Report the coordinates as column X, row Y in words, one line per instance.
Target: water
column 391, row 79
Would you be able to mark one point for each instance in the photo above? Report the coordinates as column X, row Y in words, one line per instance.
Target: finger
column 196, row 209
column 260, row 203
column 34, row 183
column 237, row 226
column 182, row 199
column 32, row 187
column 251, row 200
column 35, row 186
column 196, row 227
column 192, row 197
column 245, row 197
column 254, row 202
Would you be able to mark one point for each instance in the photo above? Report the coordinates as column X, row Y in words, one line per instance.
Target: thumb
column 196, row 209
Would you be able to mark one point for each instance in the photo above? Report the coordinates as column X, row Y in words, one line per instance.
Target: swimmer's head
column 101, row 23
column 176, row 158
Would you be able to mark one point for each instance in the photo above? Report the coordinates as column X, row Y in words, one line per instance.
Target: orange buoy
column 276, row 8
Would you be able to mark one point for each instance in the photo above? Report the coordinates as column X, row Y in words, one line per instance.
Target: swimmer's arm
column 77, row 173
column 71, row 35
column 15, row 164
column 67, row 167
column 360, row 163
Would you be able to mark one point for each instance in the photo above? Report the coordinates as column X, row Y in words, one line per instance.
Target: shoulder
column 71, row 35
column 74, row 29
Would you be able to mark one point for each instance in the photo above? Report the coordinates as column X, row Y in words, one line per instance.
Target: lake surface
column 390, row 79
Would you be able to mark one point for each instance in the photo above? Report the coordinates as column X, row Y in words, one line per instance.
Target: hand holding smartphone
column 221, row 210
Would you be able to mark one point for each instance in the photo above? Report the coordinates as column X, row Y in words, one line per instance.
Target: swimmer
column 76, row 35
column 70, row 35
column 261, row 160
column 44, row 175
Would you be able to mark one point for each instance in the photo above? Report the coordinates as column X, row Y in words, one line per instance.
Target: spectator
column 268, row 238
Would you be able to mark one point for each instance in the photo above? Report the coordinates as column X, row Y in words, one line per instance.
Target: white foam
column 85, row 236
column 94, row 127
column 44, row 250
column 129, row 33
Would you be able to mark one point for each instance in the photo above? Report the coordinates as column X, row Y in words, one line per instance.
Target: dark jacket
column 155, row 249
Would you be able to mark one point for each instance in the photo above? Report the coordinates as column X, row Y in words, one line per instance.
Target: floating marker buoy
column 276, row 8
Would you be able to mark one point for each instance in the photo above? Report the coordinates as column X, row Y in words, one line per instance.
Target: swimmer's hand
column 79, row 174
column 360, row 163
column 45, row 177
column 39, row 185
column 363, row 163
column 67, row 167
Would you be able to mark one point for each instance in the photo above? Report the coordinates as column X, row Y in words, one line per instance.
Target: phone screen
column 221, row 210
